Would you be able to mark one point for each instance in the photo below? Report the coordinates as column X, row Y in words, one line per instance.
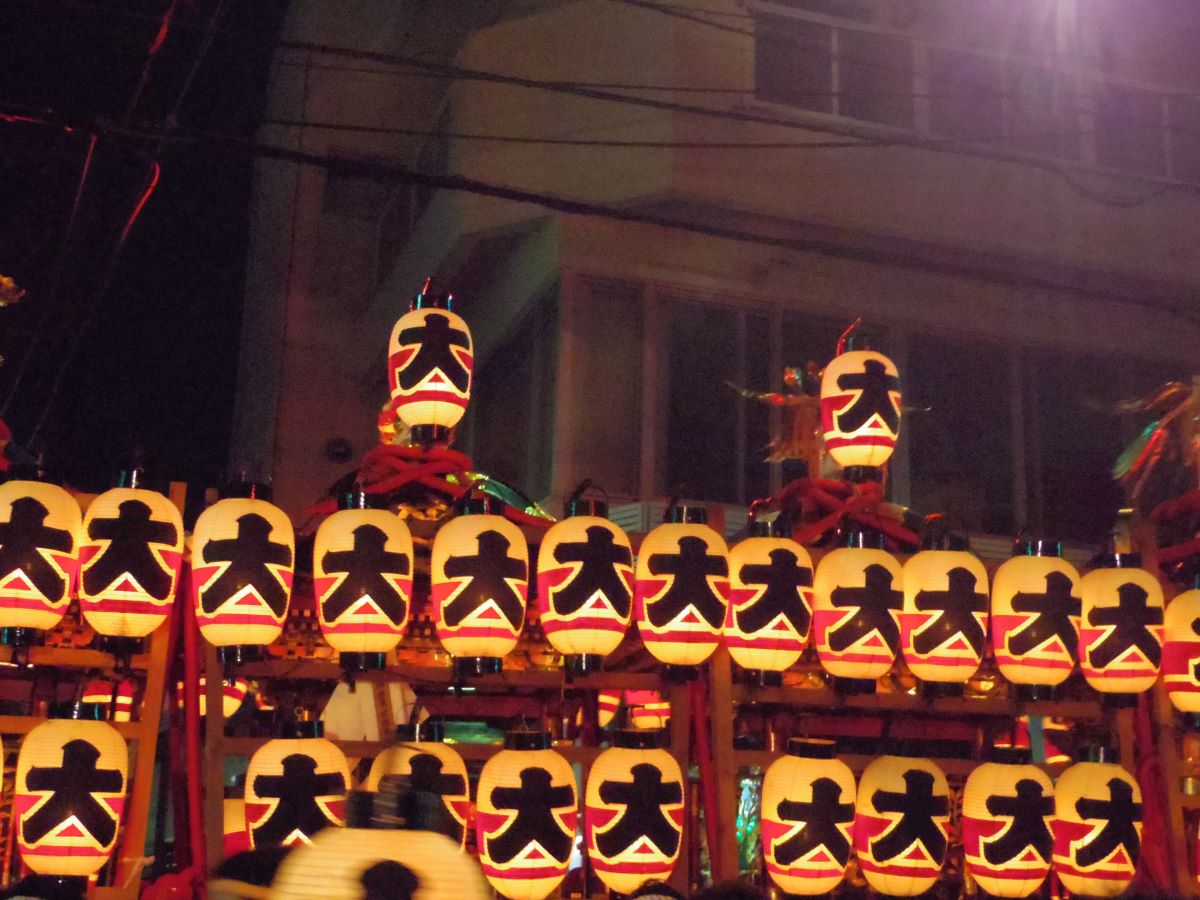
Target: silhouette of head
column 389, row 880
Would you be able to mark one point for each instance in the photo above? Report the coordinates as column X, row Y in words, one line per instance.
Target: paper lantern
column 681, row 588
column 585, row 586
column 124, row 700
column 294, row 788
column 901, row 822
column 1121, row 631
column 1181, row 653
column 860, row 410
column 235, row 838
column 362, row 577
column 1035, row 618
column 430, row 765
column 607, row 704
column 770, row 602
column 478, row 586
column 647, row 709
column 233, row 694
column 526, row 814
column 362, row 864
column 430, row 358
column 1097, row 827
column 857, row 598
column 69, row 796
column 808, row 801
column 1007, row 814
column 39, row 553
column 130, row 552
column 243, row 552
column 943, row 628
column 634, row 811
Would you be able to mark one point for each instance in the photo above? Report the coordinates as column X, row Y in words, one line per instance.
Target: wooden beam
column 724, row 857
column 214, row 758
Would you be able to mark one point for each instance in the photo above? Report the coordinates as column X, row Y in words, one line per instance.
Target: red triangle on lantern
column 959, row 643
column 16, row 581
column 690, row 617
column 72, row 829
column 536, row 852
column 596, row 603
column 822, row 855
column 781, row 624
column 488, row 611
column 250, row 598
column 917, row 852
column 1030, row 856
column 127, row 585
column 874, row 640
column 436, row 377
column 1120, row 857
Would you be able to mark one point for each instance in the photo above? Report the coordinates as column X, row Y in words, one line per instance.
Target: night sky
column 155, row 357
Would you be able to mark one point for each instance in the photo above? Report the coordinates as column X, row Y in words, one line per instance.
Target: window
column 965, row 95
column 793, row 63
column 961, row 460
column 1042, row 113
column 875, row 77
column 608, row 376
column 1129, row 129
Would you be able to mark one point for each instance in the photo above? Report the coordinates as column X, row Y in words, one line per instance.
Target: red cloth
column 838, row 500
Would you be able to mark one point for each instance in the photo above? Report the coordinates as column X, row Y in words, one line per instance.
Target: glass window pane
column 875, row 77
column 793, row 63
column 701, row 441
column 965, row 95
column 1041, row 116
column 608, row 418
column 1129, row 131
column 961, row 449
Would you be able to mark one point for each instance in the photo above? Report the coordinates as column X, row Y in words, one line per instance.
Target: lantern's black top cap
column 860, row 537
column 1121, row 560
column 640, row 739
column 776, row 526
column 585, row 506
column 811, row 748
column 481, row 504
column 693, row 515
column 248, row 490
column 1034, row 546
column 1097, row 753
column 429, row 732
column 77, row 709
column 527, row 740
column 1013, row 756
column 313, row 729
column 859, row 340
column 360, row 500
column 432, row 297
column 937, row 535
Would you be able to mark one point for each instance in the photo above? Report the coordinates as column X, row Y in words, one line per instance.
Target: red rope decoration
column 838, row 500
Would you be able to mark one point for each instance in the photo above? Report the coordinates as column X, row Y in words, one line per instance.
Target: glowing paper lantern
column 362, row 577
column 430, row 765
column 233, row 694
column 901, row 821
column 857, row 598
column 479, row 585
column 69, row 796
column 808, row 801
column 770, row 602
column 124, row 700
column 943, row 628
column 430, row 358
column 1035, row 618
column 39, row 554
column 235, row 838
column 526, row 814
column 243, row 552
column 647, row 709
column 130, row 552
column 1121, row 633
column 681, row 588
column 1007, row 814
column 294, row 788
column 607, row 704
column 354, row 863
column 585, row 585
column 634, row 812
column 1097, row 827
column 1181, row 654
column 860, row 411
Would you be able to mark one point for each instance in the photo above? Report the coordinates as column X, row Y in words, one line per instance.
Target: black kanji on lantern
column 248, row 555
column 691, row 566
column 364, row 566
column 297, row 790
column 782, row 577
column 874, row 382
column 73, row 785
column 643, row 799
column 822, row 818
column 487, row 572
column 435, row 338
column 427, row 775
column 874, row 602
column 1196, row 665
column 917, row 805
column 534, row 801
column 598, row 556
column 958, row 606
column 130, row 535
column 1054, row 610
column 1028, row 809
column 1131, row 619
column 23, row 537
column 1121, row 815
